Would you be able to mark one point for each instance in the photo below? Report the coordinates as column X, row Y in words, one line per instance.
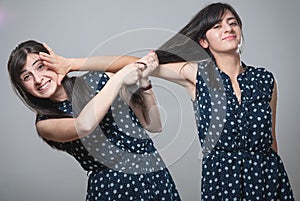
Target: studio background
column 30, row 170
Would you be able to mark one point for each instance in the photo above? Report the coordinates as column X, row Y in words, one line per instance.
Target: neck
column 229, row 64
column 60, row 94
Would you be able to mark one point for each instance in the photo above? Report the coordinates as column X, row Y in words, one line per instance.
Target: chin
column 47, row 94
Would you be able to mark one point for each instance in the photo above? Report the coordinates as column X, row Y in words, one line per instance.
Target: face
column 37, row 79
column 223, row 37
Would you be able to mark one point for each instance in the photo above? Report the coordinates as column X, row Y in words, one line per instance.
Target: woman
column 103, row 131
column 240, row 162
column 235, row 107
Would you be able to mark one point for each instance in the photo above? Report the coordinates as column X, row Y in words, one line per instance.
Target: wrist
column 144, row 81
column 71, row 65
column 146, row 86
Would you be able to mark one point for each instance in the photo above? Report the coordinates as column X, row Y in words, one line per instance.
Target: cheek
column 28, row 87
column 212, row 37
column 215, row 37
column 51, row 74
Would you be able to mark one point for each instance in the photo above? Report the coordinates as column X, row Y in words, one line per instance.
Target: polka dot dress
column 120, row 157
column 240, row 163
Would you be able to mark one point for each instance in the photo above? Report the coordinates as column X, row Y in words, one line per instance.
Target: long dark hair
column 16, row 62
column 184, row 46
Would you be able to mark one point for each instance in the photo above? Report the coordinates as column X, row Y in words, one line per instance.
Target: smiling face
column 224, row 37
column 38, row 80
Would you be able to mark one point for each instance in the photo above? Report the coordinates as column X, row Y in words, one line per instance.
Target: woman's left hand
column 151, row 63
column 56, row 63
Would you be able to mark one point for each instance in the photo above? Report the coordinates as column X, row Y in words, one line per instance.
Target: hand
column 151, row 62
column 131, row 74
column 56, row 63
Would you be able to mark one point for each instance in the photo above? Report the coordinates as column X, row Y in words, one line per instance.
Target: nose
column 38, row 78
column 227, row 27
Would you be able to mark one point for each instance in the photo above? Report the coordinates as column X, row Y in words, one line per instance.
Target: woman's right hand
column 151, row 62
column 59, row 64
column 131, row 73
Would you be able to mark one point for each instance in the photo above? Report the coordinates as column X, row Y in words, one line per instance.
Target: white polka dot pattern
column 241, row 165
column 120, row 157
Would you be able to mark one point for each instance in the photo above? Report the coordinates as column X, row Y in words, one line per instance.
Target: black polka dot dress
column 120, row 158
column 238, row 163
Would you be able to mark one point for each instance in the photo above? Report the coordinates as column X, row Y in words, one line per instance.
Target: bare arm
column 147, row 112
column 273, row 105
column 63, row 65
column 182, row 73
column 68, row 129
column 101, row 63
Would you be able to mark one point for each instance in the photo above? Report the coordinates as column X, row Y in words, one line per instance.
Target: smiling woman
column 240, row 159
column 40, row 81
column 94, row 119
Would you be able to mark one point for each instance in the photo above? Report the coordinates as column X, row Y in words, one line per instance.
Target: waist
column 240, row 153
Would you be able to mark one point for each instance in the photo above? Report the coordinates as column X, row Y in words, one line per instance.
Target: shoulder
column 206, row 66
column 93, row 76
column 262, row 77
column 205, row 62
column 95, row 80
column 261, row 73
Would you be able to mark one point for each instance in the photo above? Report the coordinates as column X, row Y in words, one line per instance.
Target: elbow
column 83, row 132
column 155, row 125
column 83, row 129
column 157, row 128
column 154, row 130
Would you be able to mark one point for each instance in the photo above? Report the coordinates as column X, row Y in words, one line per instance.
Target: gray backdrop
column 30, row 170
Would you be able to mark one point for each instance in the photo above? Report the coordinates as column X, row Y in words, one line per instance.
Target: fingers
column 141, row 65
column 132, row 74
column 151, row 62
column 45, row 57
column 47, row 60
column 151, row 59
column 48, row 48
column 49, row 64
column 59, row 79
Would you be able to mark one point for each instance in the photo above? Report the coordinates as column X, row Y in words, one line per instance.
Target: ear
column 203, row 43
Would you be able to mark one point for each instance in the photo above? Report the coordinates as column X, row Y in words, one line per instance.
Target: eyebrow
column 231, row 18
column 36, row 62
column 23, row 71
column 227, row 19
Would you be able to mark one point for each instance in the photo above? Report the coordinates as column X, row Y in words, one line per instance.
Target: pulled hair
column 184, row 46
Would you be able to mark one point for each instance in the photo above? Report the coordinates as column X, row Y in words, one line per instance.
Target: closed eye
column 233, row 24
column 217, row 26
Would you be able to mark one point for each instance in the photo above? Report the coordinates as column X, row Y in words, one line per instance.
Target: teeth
column 43, row 86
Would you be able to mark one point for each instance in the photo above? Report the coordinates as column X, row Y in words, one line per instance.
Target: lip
column 230, row 37
column 43, row 87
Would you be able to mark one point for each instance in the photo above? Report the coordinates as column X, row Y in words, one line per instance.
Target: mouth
column 44, row 87
column 231, row 37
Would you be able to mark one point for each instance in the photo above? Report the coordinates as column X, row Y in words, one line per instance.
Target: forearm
column 148, row 113
column 273, row 105
column 274, row 145
column 101, row 63
column 151, row 112
column 96, row 109
column 68, row 129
